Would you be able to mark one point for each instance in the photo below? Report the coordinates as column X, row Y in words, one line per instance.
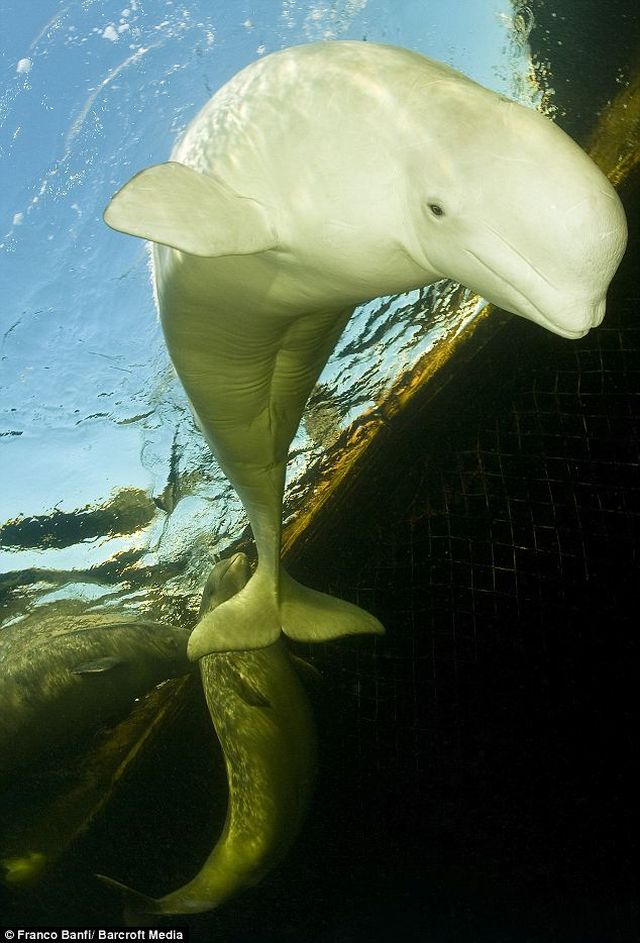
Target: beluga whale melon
column 318, row 178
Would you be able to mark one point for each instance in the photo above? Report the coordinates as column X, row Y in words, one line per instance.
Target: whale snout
column 591, row 315
column 574, row 321
column 597, row 315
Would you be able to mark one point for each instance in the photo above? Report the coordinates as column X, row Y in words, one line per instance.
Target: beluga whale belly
column 316, row 179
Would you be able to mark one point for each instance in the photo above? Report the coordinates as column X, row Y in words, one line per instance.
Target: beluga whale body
column 265, row 727
column 316, row 179
column 65, row 671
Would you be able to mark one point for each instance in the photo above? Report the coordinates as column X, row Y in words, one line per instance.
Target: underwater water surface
column 472, row 783
column 104, row 473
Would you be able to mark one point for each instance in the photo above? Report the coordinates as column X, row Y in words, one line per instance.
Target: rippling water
column 105, row 479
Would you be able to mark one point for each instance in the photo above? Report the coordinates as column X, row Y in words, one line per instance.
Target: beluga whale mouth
column 559, row 312
column 256, row 278
column 591, row 314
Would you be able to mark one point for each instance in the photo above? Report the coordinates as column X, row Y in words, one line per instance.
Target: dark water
column 477, row 776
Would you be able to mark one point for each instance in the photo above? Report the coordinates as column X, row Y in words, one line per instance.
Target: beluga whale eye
column 436, row 210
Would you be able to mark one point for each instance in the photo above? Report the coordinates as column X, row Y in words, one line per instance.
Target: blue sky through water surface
column 91, row 92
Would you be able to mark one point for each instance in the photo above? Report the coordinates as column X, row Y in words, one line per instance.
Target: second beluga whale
column 316, row 179
column 264, row 723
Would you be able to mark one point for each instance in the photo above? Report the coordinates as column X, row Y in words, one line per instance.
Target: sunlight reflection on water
column 89, row 403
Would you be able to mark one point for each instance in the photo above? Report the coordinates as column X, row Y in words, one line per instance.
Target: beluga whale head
column 416, row 173
column 511, row 207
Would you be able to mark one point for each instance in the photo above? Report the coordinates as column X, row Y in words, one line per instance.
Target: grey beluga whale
column 64, row 672
column 318, row 178
column 265, row 726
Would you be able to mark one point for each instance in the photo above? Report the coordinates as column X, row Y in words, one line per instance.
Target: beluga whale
column 318, row 178
column 66, row 671
column 264, row 722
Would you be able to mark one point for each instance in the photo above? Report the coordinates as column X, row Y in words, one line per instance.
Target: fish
column 318, row 178
column 64, row 673
column 265, row 726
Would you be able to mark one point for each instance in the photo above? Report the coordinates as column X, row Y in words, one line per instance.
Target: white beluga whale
column 316, row 179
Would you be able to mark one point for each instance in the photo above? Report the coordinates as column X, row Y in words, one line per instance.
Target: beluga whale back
column 316, row 179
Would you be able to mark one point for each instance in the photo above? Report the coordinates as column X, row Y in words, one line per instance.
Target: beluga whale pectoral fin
column 176, row 206
column 97, row 666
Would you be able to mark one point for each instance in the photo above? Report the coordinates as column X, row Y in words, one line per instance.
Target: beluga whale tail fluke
column 310, row 616
column 321, row 177
column 252, row 619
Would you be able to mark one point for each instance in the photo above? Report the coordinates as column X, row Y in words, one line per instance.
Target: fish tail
column 310, row 616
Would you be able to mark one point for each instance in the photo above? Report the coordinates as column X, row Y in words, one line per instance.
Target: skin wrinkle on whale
column 316, row 179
